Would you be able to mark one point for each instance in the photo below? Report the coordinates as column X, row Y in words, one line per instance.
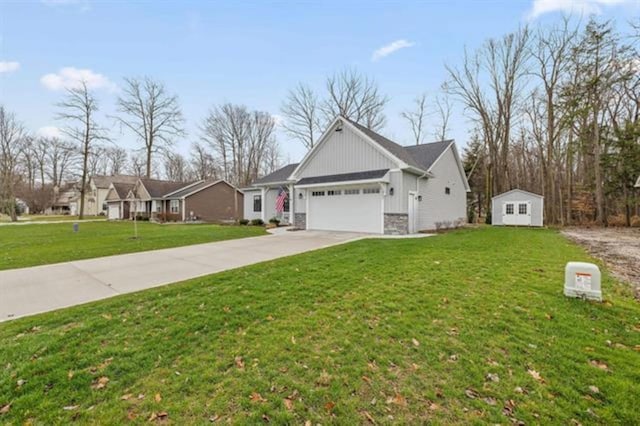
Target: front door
column 516, row 213
column 413, row 213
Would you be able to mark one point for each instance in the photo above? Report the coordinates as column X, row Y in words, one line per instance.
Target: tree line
column 553, row 110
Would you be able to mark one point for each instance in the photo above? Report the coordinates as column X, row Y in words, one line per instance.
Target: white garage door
column 114, row 211
column 350, row 209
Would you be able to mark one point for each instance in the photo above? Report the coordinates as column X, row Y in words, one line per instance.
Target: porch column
column 292, row 205
column 263, row 204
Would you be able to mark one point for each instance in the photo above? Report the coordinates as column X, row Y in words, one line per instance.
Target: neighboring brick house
column 208, row 201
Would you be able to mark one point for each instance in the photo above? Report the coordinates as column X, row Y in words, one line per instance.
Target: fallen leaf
column 415, row 366
column 399, row 400
column 265, row 418
column 493, row 377
column 70, row 375
column 415, row 342
column 509, row 407
column 329, row 406
column 256, row 397
column 433, row 406
column 226, row 309
column 535, row 375
column 239, row 362
column 307, row 423
column 21, row 382
column 5, row 408
column 269, row 318
column 158, row 416
column 489, row 400
column 471, row 393
column 548, row 316
column 131, row 415
column 107, row 316
column 288, row 404
column 293, row 340
column 214, row 418
column 140, row 396
column 157, row 397
column 125, row 397
column 518, row 389
column 366, row 379
column 369, row 417
column 594, row 389
column 70, row 407
column 599, row 364
column 100, row 383
column 453, row 358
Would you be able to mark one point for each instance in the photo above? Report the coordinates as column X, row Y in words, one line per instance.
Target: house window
column 317, row 194
column 257, row 203
column 334, row 192
column 447, row 190
column 174, row 206
column 509, row 208
column 371, row 191
column 351, row 191
column 522, row 208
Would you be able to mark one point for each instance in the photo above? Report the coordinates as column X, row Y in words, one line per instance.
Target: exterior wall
column 345, row 152
column 218, row 203
column 248, row 205
column 396, row 223
column 537, row 207
column 394, row 203
column 436, row 205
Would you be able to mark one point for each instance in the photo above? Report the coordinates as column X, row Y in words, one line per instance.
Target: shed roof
column 344, row 177
column 517, row 190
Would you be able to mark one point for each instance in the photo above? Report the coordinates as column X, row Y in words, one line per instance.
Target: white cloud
column 388, row 49
column 7, row 67
column 49, row 132
column 70, row 78
column 575, row 7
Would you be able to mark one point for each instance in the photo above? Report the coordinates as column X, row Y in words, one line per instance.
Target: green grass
column 49, row 218
column 29, row 245
column 334, row 331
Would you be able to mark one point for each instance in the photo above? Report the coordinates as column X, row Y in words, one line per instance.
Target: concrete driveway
column 29, row 291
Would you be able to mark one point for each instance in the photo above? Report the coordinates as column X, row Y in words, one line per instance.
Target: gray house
column 517, row 207
column 357, row 180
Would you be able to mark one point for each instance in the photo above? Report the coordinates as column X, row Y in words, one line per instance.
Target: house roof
column 427, row 153
column 344, row 177
column 518, row 190
column 159, row 188
column 280, row 175
column 104, row 181
column 192, row 189
column 122, row 189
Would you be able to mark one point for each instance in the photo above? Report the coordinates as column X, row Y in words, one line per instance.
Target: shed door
column 516, row 213
column 114, row 211
column 345, row 209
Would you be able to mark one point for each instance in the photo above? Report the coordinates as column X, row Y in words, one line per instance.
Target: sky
column 252, row 52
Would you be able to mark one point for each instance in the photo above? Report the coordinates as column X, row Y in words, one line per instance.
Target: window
column 174, row 206
column 257, row 203
column 371, row 191
column 334, row 192
column 351, row 191
column 509, row 208
column 447, row 190
column 522, row 208
column 317, row 194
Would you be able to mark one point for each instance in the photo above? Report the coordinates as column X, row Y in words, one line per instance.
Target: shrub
column 257, row 222
column 243, row 222
column 143, row 218
column 275, row 221
column 168, row 217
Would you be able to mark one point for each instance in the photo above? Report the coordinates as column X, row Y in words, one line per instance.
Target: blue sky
column 251, row 52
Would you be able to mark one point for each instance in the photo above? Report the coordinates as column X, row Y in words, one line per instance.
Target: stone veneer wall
column 300, row 220
column 396, row 223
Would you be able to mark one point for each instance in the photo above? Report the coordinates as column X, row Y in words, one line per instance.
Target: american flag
column 282, row 196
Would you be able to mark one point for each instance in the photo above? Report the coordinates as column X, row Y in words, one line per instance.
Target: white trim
column 325, row 137
column 518, row 190
column 263, row 202
column 637, row 185
column 383, row 179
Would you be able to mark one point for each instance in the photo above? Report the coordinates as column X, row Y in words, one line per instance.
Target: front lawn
column 29, row 245
column 466, row 327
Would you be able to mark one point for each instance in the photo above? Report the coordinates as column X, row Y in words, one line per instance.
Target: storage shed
column 517, row 208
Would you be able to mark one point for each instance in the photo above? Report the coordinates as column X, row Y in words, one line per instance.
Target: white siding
column 248, row 205
column 345, row 152
column 436, row 205
column 402, row 183
column 537, row 206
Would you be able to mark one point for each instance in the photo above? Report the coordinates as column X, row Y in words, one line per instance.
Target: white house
column 517, row 207
column 357, row 180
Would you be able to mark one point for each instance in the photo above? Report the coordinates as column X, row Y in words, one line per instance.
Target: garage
column 517, row 208
column 353, row 209
column 114, row 211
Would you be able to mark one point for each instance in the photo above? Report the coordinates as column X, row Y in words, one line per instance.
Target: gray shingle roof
column 344, row 177
column 280, row 175
column 159, row 188
column 105, row 181
column 191, row 189
column 427, row 153
column 122, row 189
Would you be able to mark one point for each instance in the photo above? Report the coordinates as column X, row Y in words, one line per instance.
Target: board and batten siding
column 344, row 152
column 436, row 205
column 537, row 205
column 248, row 204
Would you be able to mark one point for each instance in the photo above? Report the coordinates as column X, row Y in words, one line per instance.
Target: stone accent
column 300, row 220
column 396, row 223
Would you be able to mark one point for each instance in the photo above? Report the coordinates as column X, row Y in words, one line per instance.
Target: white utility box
column 582, row 280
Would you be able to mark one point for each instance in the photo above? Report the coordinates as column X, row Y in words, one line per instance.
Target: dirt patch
column 618, row 248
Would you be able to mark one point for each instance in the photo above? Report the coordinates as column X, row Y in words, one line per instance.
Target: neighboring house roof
column 197, row 187
column 280, row 175
column 518, row 190
column 344, row 177
column 122, row 189
column 104, row 181
column 159, row 188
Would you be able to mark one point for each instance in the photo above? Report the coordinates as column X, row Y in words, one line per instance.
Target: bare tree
column 202, row 162
column 443, row 112
column 61, row 155
column 12, row 144
column 79, row 110
column 151, row 114
column 355, row 97
column 137, row 164
column 416, row 117
column 302, row 115
column 116, row 159
column 176, row 167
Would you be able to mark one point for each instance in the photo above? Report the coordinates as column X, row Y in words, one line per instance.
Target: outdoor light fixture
column 300, row 195
column 419, row 197
column 390, row 191
column 339, row 126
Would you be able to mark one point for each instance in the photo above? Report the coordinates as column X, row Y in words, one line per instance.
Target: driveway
column 29, row 291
